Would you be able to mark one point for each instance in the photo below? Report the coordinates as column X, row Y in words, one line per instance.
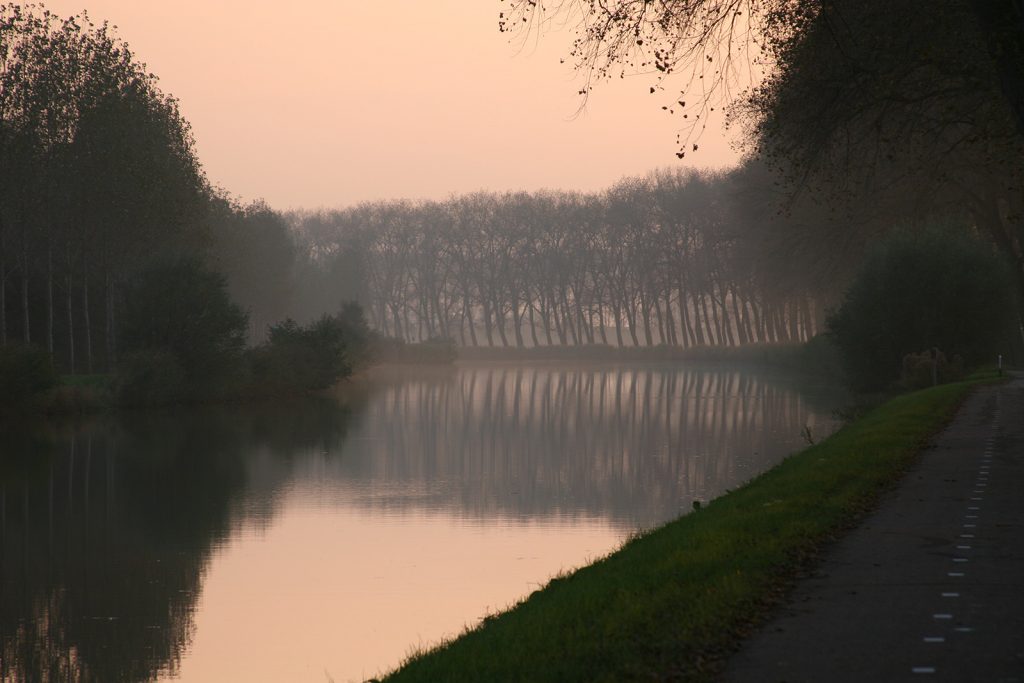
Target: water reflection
column 632, row 445
column 109, row 531
column 106, row 530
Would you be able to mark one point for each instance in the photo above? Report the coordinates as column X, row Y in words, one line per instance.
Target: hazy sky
column 330, row 102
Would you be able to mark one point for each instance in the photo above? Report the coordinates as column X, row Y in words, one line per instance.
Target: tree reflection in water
column 633, row 444
column 107, row 529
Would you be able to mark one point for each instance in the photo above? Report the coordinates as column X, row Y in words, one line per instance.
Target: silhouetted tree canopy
column 182, row 308
column 936, row 288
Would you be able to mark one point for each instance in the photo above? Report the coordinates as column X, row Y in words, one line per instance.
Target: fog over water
column 275, row 543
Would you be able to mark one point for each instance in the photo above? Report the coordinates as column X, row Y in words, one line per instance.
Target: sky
column 328, row 103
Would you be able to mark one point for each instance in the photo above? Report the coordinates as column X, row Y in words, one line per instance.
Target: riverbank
column 674, row 602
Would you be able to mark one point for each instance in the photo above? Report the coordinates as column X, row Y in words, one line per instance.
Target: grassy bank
column 672, row 603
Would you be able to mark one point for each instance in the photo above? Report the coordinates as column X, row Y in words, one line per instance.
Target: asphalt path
column 931, row 586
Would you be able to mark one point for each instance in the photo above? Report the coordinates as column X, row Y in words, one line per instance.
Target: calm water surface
column 325, row 540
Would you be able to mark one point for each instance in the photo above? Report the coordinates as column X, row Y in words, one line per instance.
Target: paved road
column 931, row 586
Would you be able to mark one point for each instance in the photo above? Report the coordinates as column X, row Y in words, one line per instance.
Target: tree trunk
column 708, row 322
column 26, row 333
column 617, row 312
column 533, row 325
column 71, row 323
column 88, row 323
column 467, row 313
column 660, row 319
column 3, row 297
column 601, row 326
column 1002, row 23
column 110, row 326
column 545, row 316
column 567, row 319
column 670, row 319
column 49, row 297
column 3, row 285
column 517, row 322
column 559, row 329
column 631, row 320
column 488, row 328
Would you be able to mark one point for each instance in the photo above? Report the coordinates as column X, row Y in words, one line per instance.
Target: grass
column 672, row 603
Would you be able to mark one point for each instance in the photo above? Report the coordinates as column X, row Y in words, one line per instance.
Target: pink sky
column 328, row 103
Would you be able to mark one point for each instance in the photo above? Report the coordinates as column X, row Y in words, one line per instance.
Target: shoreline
column 677, row 600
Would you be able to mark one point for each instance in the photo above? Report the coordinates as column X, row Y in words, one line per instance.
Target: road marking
column 973, row 507
column 923, row 670
column 954, row 574
column 963, row 547
column 966, row 535
column 970, row 526
column 951, row 595
column 963, row 629
column 942, row 615
column 959, row 559
column 934, row 639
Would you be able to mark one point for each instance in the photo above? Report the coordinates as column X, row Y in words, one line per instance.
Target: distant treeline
column 667, row 259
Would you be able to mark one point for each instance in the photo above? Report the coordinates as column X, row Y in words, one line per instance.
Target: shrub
column 150, row 378
column 299, row 358
column 928, row 368
column 439, row 350
column 25, row 373
column 182, row 309
column 937, row 288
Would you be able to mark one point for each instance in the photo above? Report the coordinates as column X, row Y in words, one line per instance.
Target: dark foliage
column 299, row 358
column 25, row 372
column 938, row 288
column 182, row 309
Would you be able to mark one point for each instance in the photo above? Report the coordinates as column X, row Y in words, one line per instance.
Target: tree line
column 667, row 259
column 100, row 181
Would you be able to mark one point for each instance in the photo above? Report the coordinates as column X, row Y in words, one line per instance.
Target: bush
column 182, row 309
column 25, row 373
column 150, row 378
column 299, row 358
column 937, row 288
column 925, row 369
column 436, row 350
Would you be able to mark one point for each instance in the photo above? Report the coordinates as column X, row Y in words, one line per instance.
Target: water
column 325, row 540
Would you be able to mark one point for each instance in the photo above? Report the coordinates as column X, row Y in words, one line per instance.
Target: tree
column 182, row 308
column 909, row 106
column 255, row 251
column 98, row 175
column 937, row 288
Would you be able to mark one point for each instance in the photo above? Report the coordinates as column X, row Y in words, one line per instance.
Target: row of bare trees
column 660, row 260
